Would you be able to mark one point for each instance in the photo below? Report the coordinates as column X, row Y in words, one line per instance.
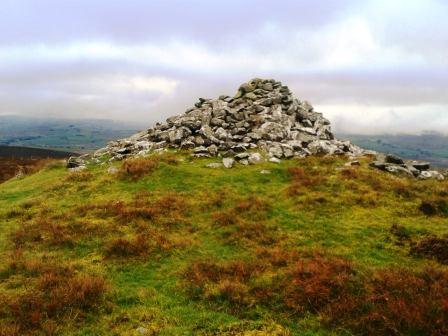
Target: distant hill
column 61, row 134
column 430, row 146
column 28, row 152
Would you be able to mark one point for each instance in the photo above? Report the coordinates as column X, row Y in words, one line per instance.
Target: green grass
column 346, row 217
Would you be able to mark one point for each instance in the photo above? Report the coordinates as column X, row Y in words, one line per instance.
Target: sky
column 371, row 66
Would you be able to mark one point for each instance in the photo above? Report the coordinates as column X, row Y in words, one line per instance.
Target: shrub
column 434, row 206
column 397, row 302
column 400, row 233
column 432, row 247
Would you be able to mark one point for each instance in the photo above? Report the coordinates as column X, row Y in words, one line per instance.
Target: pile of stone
column 396, row 165
column 262, row 121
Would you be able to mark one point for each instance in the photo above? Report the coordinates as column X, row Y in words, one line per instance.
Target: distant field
column 62, row 134
column 432, row 147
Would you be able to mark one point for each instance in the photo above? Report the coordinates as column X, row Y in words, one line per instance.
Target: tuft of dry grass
column 79, row 176
column 137, row 167
column 304, row 178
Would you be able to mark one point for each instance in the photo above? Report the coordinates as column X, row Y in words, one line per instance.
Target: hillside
column 26, row 160
column 429, row 146
column 162, row 245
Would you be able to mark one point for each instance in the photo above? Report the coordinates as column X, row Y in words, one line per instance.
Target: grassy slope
column 347, row 215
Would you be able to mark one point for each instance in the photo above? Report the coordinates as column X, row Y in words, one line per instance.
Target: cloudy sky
column 369, row 65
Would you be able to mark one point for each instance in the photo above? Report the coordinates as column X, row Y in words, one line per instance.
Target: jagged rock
column 276, row 151
column 413, row 170
column 352, row 163
column 242, row 156
column 431, row 174
column 378, row 165
column 75, row 162
column 142, row 331
column 214, row 165
column 112, row 170
column 228, row 162
column 421, row 165
column 390, row 158
column 398, row 170
column 394, row 164
column 255, row 158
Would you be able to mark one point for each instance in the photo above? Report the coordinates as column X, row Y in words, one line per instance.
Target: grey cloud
column 404, row 68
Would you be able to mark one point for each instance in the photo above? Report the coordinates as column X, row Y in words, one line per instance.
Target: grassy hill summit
column 302, row 236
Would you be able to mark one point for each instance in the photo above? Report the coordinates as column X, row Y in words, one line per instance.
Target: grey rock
column 265, row 171
column 431, row 174
column 391, row 158
column 214, row 165
column 213, row 150
column 378, row 165
column 255, row 158
column 288, row 151
column 200, row 149
column 352, row 163
column 413, row 170
column 228, row 162
column 398, row 170
column 251, row 96
column 276, row 151
column 74, row 169
column 421, row 165
column 275, row 160
column 74, row 162
column 142, row 331
column 112, row 170
column 242, row 156
column 268, row 87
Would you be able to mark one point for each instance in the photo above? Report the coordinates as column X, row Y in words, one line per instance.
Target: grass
column 180, row 249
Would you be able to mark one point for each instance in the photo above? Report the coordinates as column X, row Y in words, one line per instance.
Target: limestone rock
column 228, row 162
column 390, row 158
column 396, row 165
column 255, row 158
column 214, row 165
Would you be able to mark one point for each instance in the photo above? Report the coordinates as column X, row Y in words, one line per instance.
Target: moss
column 179, row 209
